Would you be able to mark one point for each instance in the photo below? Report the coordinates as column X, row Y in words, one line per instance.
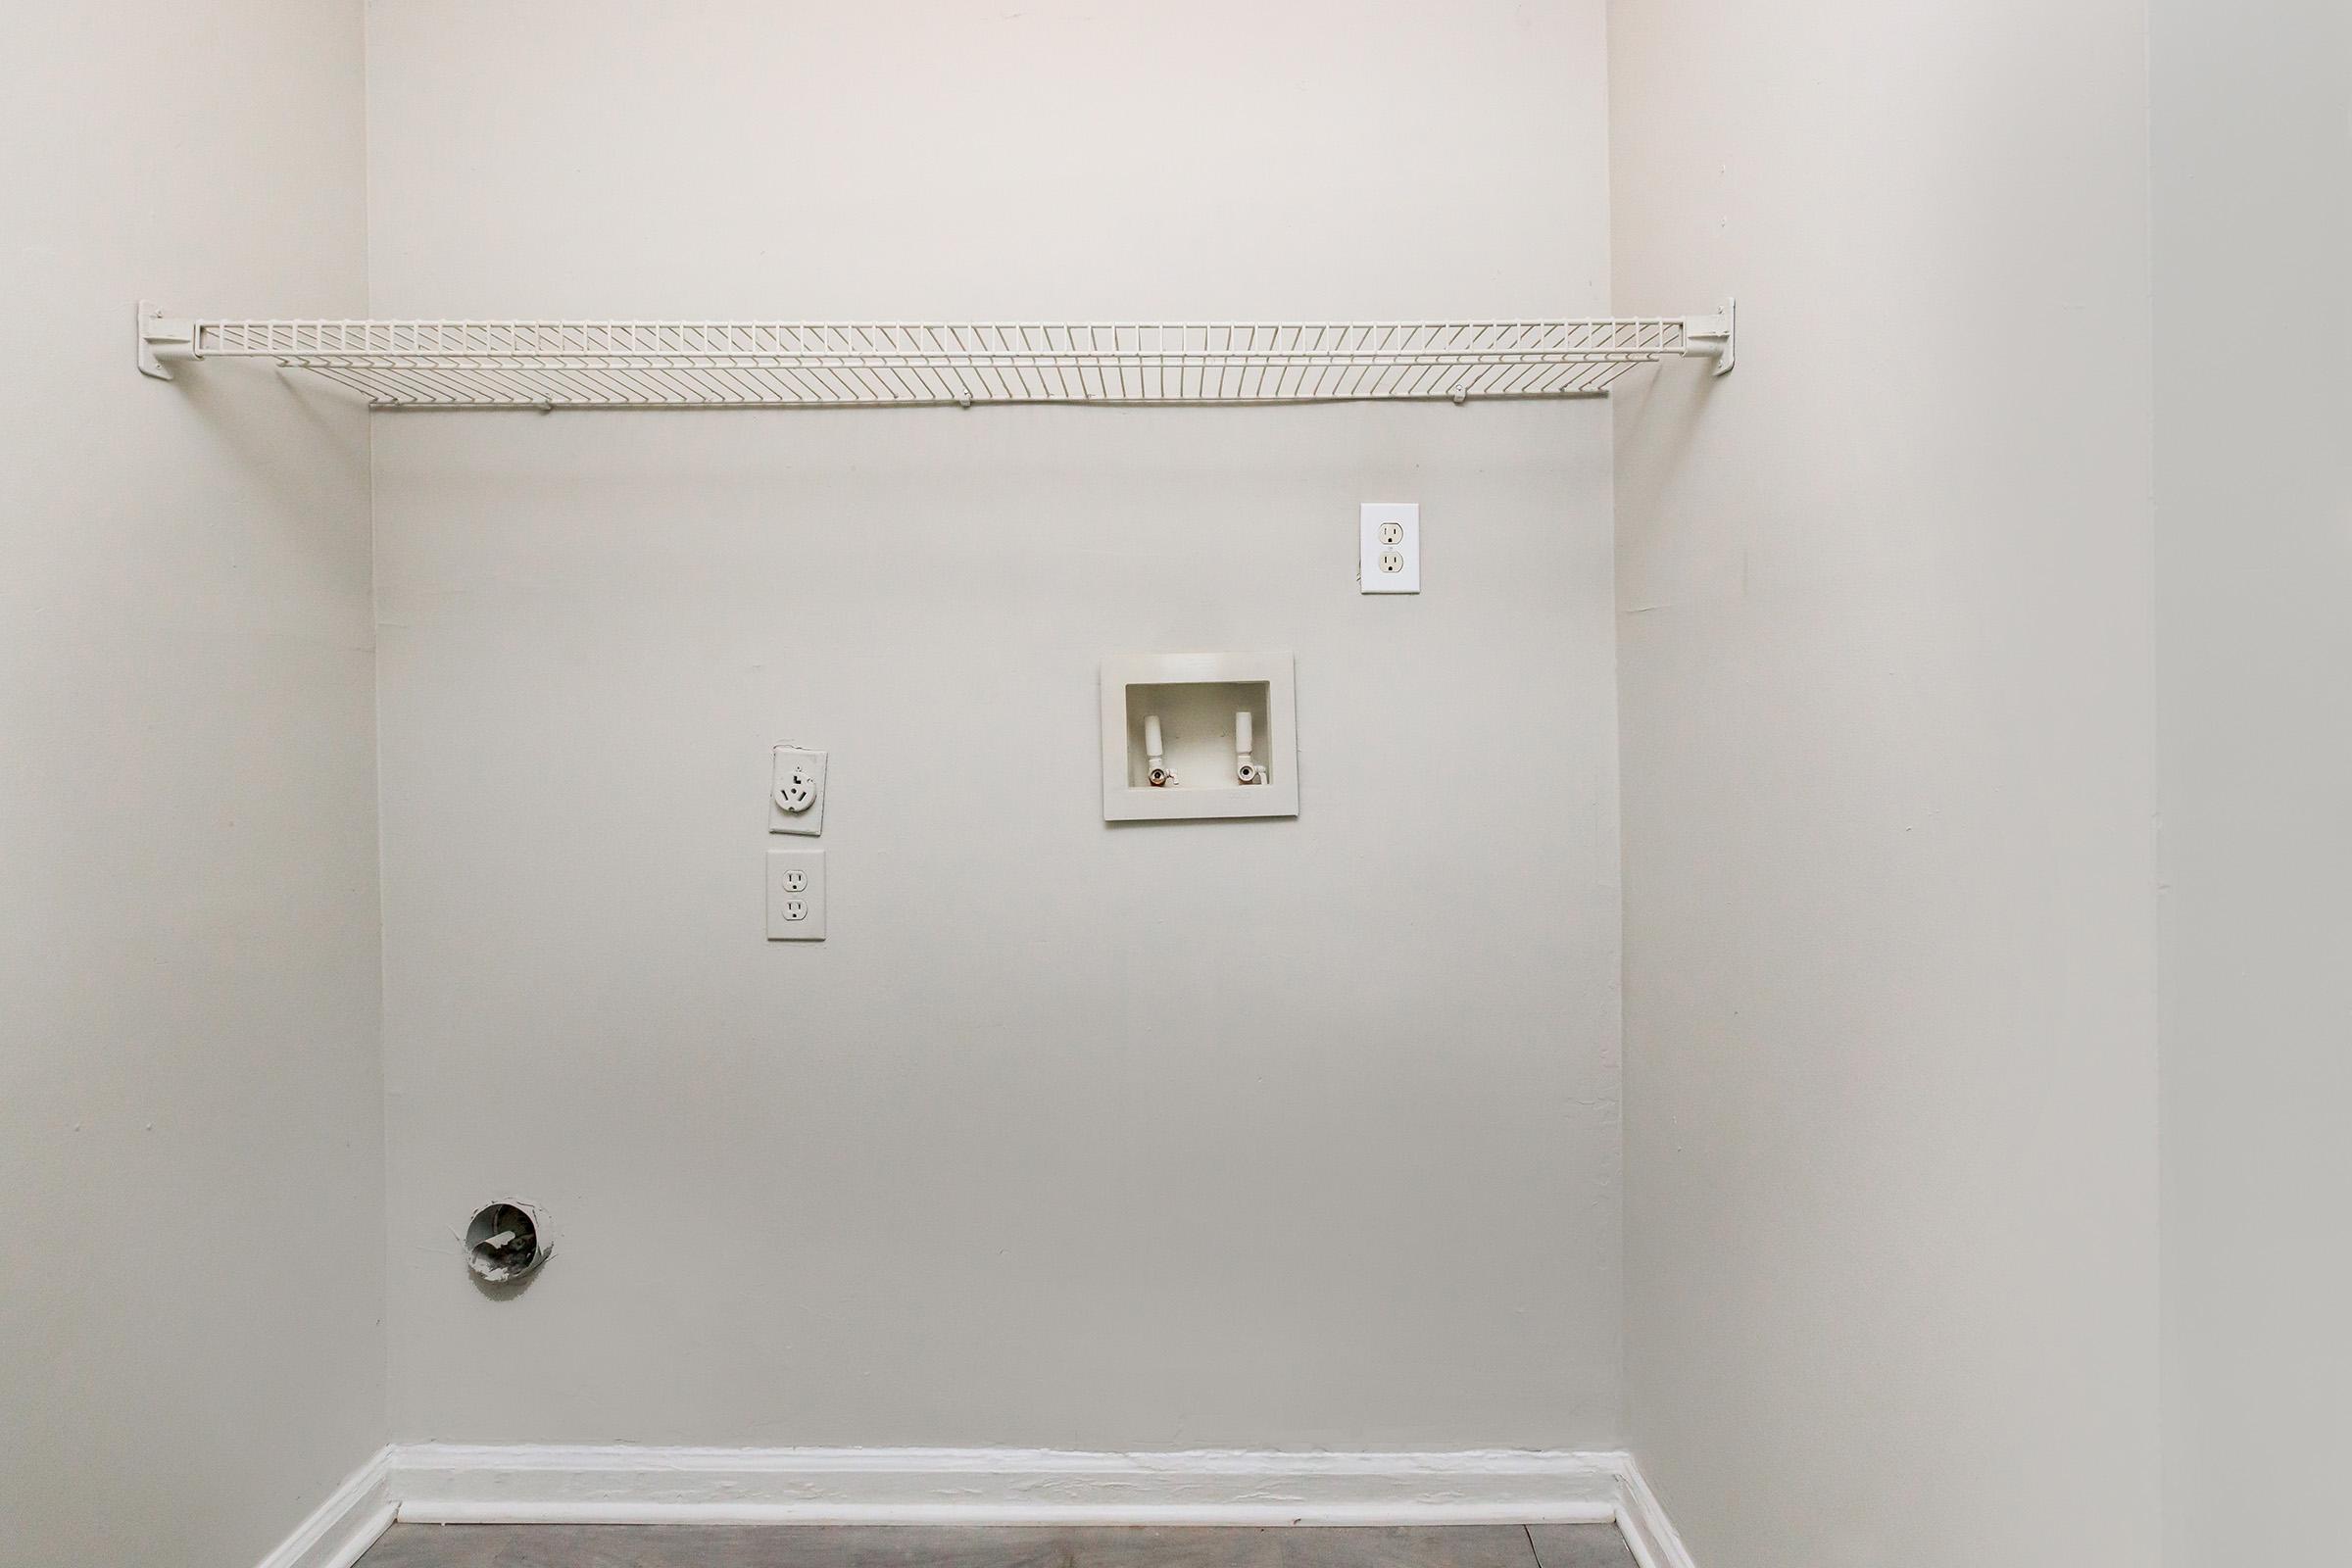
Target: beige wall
column 2253, row 221
column 1886, row 663
column 1294, row 1134
column 1282, row 1134
column 191, row 1147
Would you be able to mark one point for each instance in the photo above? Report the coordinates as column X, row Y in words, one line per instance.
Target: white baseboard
column 454, row 1483
column 526, row 1484
column 345, row 1524
column 1643, row 1522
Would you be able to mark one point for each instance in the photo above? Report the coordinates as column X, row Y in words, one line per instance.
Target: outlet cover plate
column 1388, row 557
column 796, row 895
column 790, row 760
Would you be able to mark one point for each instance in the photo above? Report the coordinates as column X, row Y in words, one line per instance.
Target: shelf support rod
column 1716, row 334
column 163, row 338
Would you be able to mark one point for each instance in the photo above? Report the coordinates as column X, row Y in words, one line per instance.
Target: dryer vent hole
column 502, row 1245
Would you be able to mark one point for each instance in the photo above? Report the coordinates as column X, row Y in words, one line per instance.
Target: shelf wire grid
column 603, row 365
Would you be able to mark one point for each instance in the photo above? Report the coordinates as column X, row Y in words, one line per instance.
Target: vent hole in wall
column 502, row 1245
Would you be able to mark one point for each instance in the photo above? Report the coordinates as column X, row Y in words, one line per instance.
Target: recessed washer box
column 1196, row 703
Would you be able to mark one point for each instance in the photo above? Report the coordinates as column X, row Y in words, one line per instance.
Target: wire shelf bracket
column 709, row 365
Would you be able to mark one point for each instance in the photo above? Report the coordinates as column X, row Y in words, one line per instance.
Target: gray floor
column 894, row 1546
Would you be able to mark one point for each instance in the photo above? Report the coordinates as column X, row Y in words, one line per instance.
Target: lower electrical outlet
column 796, row 895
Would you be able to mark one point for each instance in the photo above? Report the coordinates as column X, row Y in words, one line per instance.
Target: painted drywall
column 1276, row 1133
column 191, row 1186
column 1885, row 653
column 2251, row 117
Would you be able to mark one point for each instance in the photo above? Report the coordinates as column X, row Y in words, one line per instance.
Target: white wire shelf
column 706, row 364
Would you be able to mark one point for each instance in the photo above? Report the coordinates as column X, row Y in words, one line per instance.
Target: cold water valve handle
column 1244, row 766
column 1159, row 775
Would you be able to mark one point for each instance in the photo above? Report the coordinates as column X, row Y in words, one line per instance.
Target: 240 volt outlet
column 796, row 799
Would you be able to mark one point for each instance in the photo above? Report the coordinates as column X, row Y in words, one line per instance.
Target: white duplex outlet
column 1389, row 548
column 796, row 895
column 796, row 796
